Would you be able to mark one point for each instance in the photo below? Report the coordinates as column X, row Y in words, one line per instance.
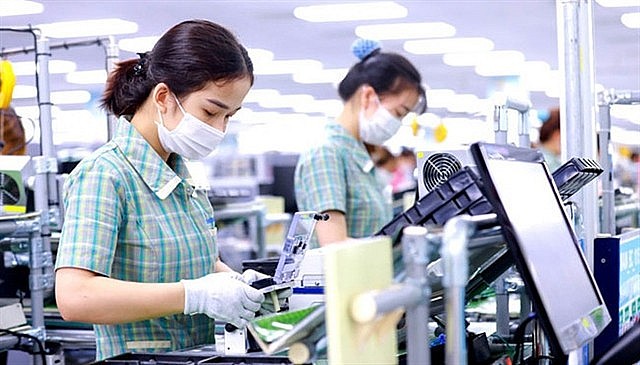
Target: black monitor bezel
column 482, row 152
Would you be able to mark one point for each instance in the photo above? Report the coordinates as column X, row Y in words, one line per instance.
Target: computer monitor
column 566, row 299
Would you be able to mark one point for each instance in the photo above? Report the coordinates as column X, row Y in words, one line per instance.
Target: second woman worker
column 337, row 175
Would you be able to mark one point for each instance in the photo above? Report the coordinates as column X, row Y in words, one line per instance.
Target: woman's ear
column 368, row 97
column 161, row 94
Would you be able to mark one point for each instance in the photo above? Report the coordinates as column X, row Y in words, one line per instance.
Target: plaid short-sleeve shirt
column 338, row 174
column 130, row 216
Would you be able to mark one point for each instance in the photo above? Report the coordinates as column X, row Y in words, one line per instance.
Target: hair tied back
column 138, row 69
column 363, row 48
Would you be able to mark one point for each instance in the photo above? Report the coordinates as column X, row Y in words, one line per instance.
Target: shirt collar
column 358, row 150
column 154, row 171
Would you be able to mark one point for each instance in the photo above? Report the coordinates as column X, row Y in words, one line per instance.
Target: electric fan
column 436, row 167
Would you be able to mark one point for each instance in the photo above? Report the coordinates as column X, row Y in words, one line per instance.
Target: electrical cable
column 42, row 351
column 518, row 358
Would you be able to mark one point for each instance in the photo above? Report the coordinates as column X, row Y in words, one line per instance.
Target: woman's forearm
column 83, row 296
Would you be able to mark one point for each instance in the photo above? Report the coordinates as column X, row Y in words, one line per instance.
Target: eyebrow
column 221, row 104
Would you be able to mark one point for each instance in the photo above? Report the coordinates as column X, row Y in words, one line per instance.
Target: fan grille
column 9, row 190
column 437, row 169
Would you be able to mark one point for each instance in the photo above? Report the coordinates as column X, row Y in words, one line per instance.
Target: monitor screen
column 566, row 298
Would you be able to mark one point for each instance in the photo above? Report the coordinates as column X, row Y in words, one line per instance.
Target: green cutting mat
column 273, row 326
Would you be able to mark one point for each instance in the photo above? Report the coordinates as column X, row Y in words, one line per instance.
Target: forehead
column 230, row 92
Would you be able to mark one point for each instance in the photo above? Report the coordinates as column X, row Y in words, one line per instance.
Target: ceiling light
column 350, row 11
column 285, row 101
column 88, row 28
column 631, row 20
column 282, row 67
column 461, row 103
column 475, row 58
column 87, row 77
column 625, row 136
column 617, row 3
column 259, row 55
column 255, row 95
column 439, row 98
column 20, row 7
column 448, row 45
column 506, row 64
column 28, row 68
column 329, row 107
column 70, row 97
column 24, row 92
column 406, row 30
column 324, row 76
column 627, row 112
column 535, row 75
column 138, row 44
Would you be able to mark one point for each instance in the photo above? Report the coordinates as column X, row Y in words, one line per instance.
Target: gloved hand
column 273, row 300
column 223, row 296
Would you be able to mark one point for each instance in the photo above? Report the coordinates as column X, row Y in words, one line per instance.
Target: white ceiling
column 528, row 26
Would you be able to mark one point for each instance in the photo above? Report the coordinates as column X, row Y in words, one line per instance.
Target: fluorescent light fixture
column 329, row 107
column 625, row 136
column 138, row 44
column 617, row 3
column 285, row 101
column 33, row 112
column 631, row 20
column 283, row 67
column 350, row 12
column 448, row 45
column 439, row 98
column 324, row 76
column 463, row 103
column 535, row 75
column 24, row 92
column 502, row 63
column 70, row 97
column 28, row 68
column 627, row 112
column 475, row 58
column 406, row 30
column 87, row 77
column 88, row 28
column 20, row 7
column 255, row 95
column 259, row 55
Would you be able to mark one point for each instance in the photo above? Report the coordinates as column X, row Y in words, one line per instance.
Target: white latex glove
column 273, row 300
column 223, row 296
column 249, row 276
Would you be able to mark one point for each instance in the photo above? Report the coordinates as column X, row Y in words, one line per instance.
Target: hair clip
column 363, row 48
column 138, row 69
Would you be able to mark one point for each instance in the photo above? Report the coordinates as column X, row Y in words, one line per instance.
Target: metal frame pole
column 112, row 51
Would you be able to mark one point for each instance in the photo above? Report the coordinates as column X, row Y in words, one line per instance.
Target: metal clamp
column 40, row 282
column 45, row 165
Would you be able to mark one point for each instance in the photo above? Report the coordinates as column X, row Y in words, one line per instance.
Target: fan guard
column 437, row 169
column 9, row 190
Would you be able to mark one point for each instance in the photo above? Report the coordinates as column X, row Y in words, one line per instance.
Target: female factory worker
column 337, row 176
column 137, row 255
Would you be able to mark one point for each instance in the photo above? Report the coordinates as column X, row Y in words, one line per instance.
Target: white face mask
column 380, row 127
column 191, row 138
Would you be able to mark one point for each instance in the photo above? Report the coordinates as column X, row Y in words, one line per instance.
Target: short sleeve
column 92, row 215
column 320, row 180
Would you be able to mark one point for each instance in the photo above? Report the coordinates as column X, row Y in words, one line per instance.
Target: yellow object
column 350, row 342
column 415, row 127
column 440, row 132
column 7, row 82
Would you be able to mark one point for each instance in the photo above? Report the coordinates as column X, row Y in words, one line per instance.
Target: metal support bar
column 500, row 119
column 607, row 218
column 112, row 51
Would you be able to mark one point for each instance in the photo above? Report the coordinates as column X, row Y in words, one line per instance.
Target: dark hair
column 186, row 58
column 550, row 125
column 385, row 72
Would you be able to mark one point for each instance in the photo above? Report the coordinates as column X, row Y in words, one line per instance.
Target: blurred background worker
column 12, row 133
column 549, row 139
column 337, row 176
